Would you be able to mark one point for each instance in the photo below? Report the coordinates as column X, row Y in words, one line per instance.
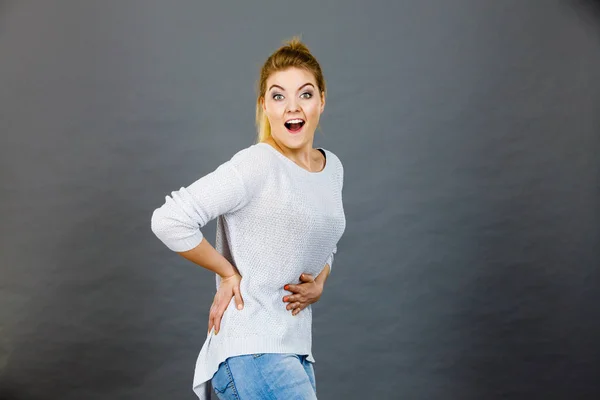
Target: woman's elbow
column 159, row 222
column 176, row 233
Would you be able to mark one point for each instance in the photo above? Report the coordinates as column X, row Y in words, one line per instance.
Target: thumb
column 306, row 278
column 238, row 297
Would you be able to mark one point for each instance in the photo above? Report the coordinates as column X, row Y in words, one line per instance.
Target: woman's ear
column 262, row 103
column 322, row 102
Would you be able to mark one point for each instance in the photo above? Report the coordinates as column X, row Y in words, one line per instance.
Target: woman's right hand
column 229, row 287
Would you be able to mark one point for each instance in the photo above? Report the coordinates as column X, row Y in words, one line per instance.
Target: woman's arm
column 178, row 221
column 205, row 255
column 309, row 291
column 322, row 277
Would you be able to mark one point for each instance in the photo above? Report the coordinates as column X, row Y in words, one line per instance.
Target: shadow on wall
column 6, row 393
column 9, row 394
column 588, row 10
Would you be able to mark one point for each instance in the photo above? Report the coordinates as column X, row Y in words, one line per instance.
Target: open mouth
column 294, row 125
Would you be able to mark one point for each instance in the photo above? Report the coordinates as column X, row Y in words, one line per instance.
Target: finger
column 211, row 322
column 210, row 319
column 238, row 297
column 218, row 318
column 307, row 278
column 296, row 288
column 297, row 310
column 214, row 318
column 292, row 306
column 293, row 298
column 290, row 288
column 219, row 311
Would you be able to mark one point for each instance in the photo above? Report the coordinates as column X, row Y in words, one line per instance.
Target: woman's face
column 293, row 104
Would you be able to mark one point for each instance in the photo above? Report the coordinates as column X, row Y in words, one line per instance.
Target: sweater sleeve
column 178, row 221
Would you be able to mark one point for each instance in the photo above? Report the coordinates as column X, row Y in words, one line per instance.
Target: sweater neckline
column 293, row 164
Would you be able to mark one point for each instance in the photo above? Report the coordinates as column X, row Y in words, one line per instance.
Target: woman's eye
column 277, row 97
column 306, row 95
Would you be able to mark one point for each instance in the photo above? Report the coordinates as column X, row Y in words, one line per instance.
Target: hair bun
column 296, row 44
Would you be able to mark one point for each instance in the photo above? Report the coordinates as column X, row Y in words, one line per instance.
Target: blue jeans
column 265, row 376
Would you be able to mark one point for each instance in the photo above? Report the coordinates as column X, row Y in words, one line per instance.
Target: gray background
column 469, row 132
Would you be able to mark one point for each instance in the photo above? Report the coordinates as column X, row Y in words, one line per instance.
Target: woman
column 280, row 216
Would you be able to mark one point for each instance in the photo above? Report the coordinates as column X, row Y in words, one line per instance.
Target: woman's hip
column 265, row 376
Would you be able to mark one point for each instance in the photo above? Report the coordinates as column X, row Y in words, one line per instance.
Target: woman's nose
column 292, row 106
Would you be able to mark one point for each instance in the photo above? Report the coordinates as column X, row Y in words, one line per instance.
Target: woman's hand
column 307, row 292
column 229, row 287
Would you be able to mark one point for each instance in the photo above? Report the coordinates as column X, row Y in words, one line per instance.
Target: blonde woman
column 279, row 211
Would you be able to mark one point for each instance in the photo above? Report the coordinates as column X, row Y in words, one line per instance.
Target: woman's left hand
column 307, row 292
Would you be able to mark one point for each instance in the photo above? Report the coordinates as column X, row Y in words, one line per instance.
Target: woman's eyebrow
column 277, row 86
column 306, row 84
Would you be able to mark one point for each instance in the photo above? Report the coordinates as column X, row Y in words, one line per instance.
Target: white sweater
column 276, row 220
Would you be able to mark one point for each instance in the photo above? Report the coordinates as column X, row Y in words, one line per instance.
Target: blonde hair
column 293, row 53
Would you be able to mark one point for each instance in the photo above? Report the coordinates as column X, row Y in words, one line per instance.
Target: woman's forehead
column 291, row 78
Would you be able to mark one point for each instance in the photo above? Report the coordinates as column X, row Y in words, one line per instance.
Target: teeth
column 295, row 121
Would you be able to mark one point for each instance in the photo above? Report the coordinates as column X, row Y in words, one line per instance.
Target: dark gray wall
column 469, row 131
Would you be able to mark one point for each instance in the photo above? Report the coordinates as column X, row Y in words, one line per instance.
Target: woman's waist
column 270, row 279
column 259, row 317
column 271, row 270
column 266, row 337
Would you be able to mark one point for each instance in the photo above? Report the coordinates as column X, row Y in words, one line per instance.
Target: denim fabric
column 265, row 376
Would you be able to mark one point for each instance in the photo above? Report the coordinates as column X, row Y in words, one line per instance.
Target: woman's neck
column 303, row 157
